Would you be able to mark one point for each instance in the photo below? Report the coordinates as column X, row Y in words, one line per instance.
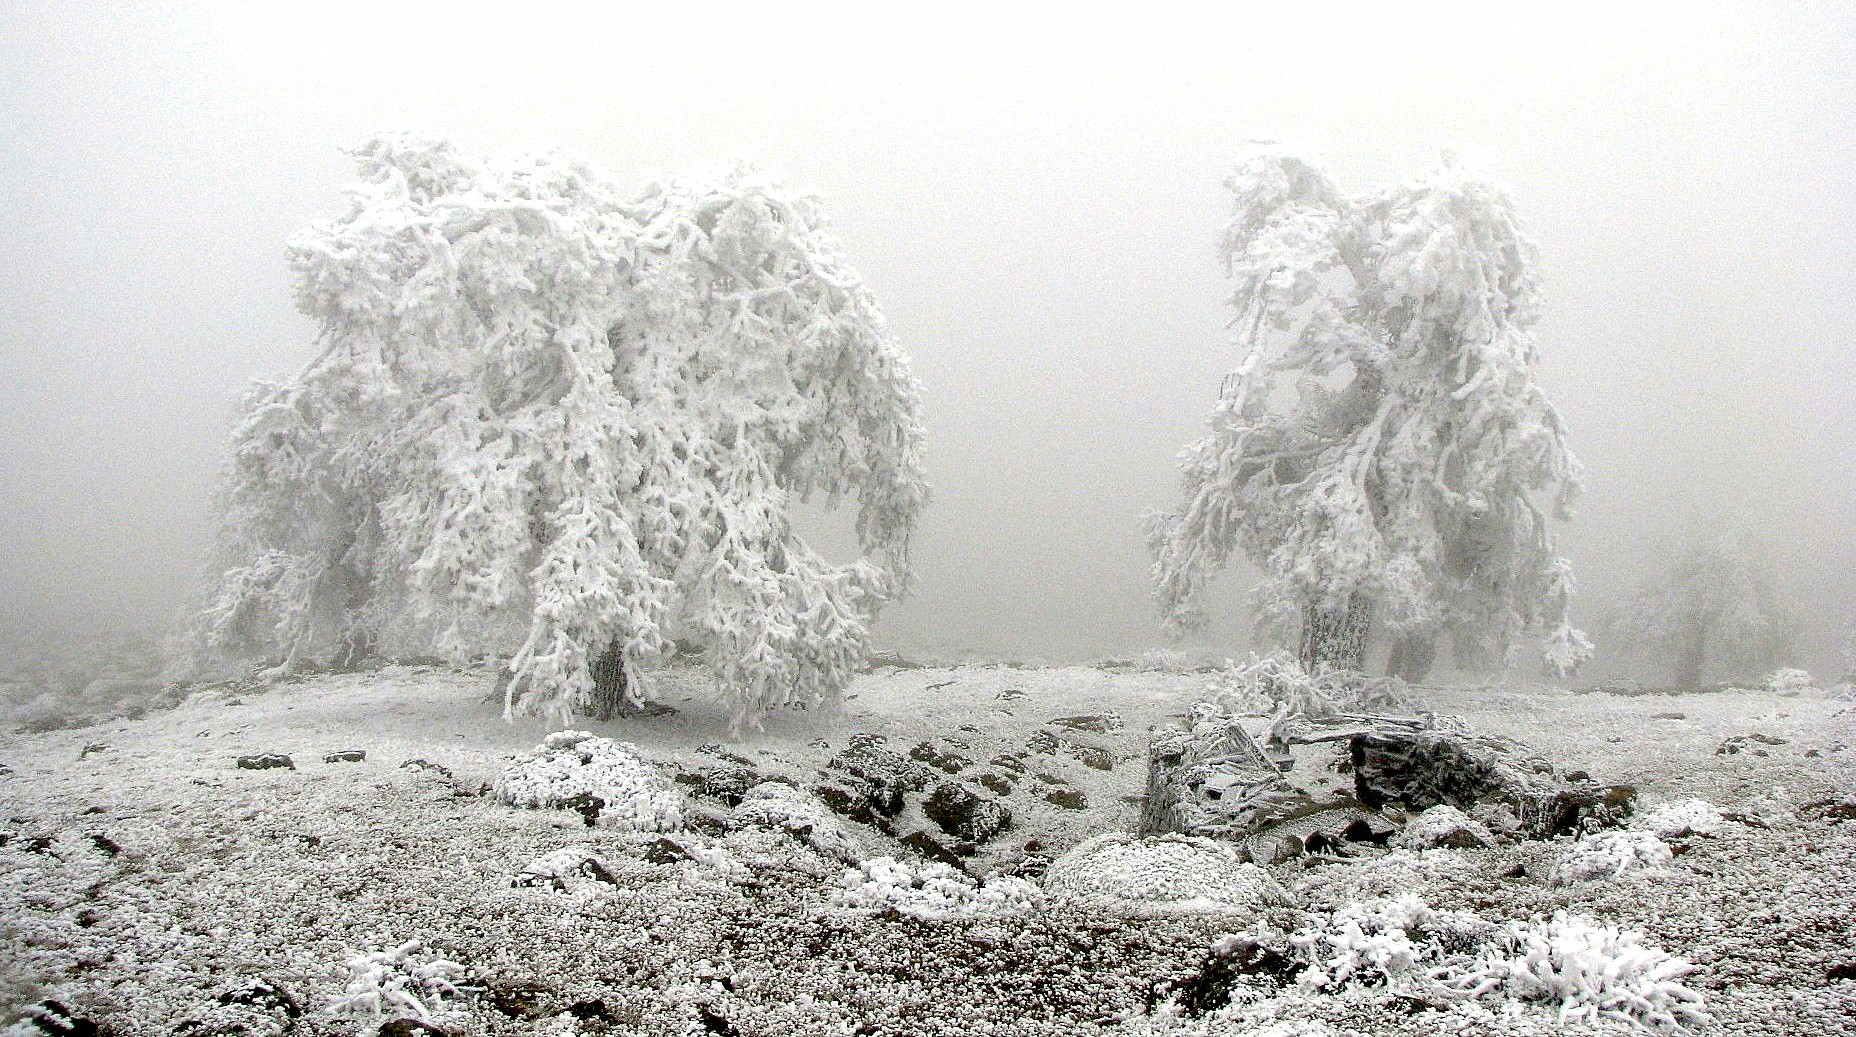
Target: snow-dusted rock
column 561, row 869
column 1119, row 874
column 1443, row 825
column 1681, row 817
column 609, row 781
column 1610, row 855
column 776, row 804
column 929, row 890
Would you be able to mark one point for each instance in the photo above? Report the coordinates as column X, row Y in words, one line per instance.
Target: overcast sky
column 1035, row 198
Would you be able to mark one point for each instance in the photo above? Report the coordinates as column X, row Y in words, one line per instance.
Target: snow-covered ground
column 147, row 882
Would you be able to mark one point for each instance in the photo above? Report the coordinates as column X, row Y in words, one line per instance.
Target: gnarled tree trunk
column 1335, row 638
column 609, row 698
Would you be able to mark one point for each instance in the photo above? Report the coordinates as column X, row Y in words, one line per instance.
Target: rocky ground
column 150, row 883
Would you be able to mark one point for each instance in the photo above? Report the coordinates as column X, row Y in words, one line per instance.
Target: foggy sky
column 1035, row 199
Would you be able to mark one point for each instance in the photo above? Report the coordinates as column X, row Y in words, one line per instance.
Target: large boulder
column 1419, row 768
column 1213, row 780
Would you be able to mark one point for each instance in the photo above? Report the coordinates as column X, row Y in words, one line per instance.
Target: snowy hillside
column 158, row 887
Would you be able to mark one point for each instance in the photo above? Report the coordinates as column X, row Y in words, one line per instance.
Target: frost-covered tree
column 1379, row 449
column 552, row 420
column 1715, row 608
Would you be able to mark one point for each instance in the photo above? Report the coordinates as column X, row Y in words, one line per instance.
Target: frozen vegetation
column 161, row 889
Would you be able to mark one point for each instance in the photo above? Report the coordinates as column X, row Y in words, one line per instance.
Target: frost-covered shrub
column 1590, row 971
column 1119, row 874
column 1396, row 941
column 929, row 890
column 1593, row 972
column 788, row 808
column 571, row 768
column 1443, row 825
column 407, row 982
column 1610, row 855
column 1788, row 678
column 1681, row 817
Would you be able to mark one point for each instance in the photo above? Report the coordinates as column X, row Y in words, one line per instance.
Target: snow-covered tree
column 1379, row 449
column 1715, row 608
column 551, row 420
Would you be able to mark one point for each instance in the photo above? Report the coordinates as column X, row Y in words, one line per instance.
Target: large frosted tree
column 568, row 425
column 1381, row 448
column 1715, row 607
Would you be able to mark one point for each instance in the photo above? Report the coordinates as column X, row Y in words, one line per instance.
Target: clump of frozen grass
column 1788, row 678
column 406, row 982
column 1610, row 855
column 1277, row 683
column 1116, row 873
column 570, row 769
column 934, row 891
column 1681, row 817
column 1591, row 971
column 1595, row 972
column 1396, row 941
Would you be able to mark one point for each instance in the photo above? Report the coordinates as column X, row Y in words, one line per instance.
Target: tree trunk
column 1690, row 659
column 1336, row 638
column 1412, row 658
column 1692, row 652
column 609, row 699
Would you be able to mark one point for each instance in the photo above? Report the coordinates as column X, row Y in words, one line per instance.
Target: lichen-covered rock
column 1127, row 876
column 258, row 761
column 1421, row 768
column 609, row 782
column 1443, row 826
column 793, row 810
column 965, row 812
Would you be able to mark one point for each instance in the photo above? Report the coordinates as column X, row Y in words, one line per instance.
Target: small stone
column 996, row 783
column 346, row 756
column 519, row 998
column 426, row 765
column 931, row 849
column 665, row 850
column 1068, row 799
column 1095, row 723
column 53, row 1019
column 265, row 761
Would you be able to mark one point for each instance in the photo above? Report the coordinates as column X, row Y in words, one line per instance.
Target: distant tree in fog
column 550, row 419
column 1714, row 609
column 1378, row 450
